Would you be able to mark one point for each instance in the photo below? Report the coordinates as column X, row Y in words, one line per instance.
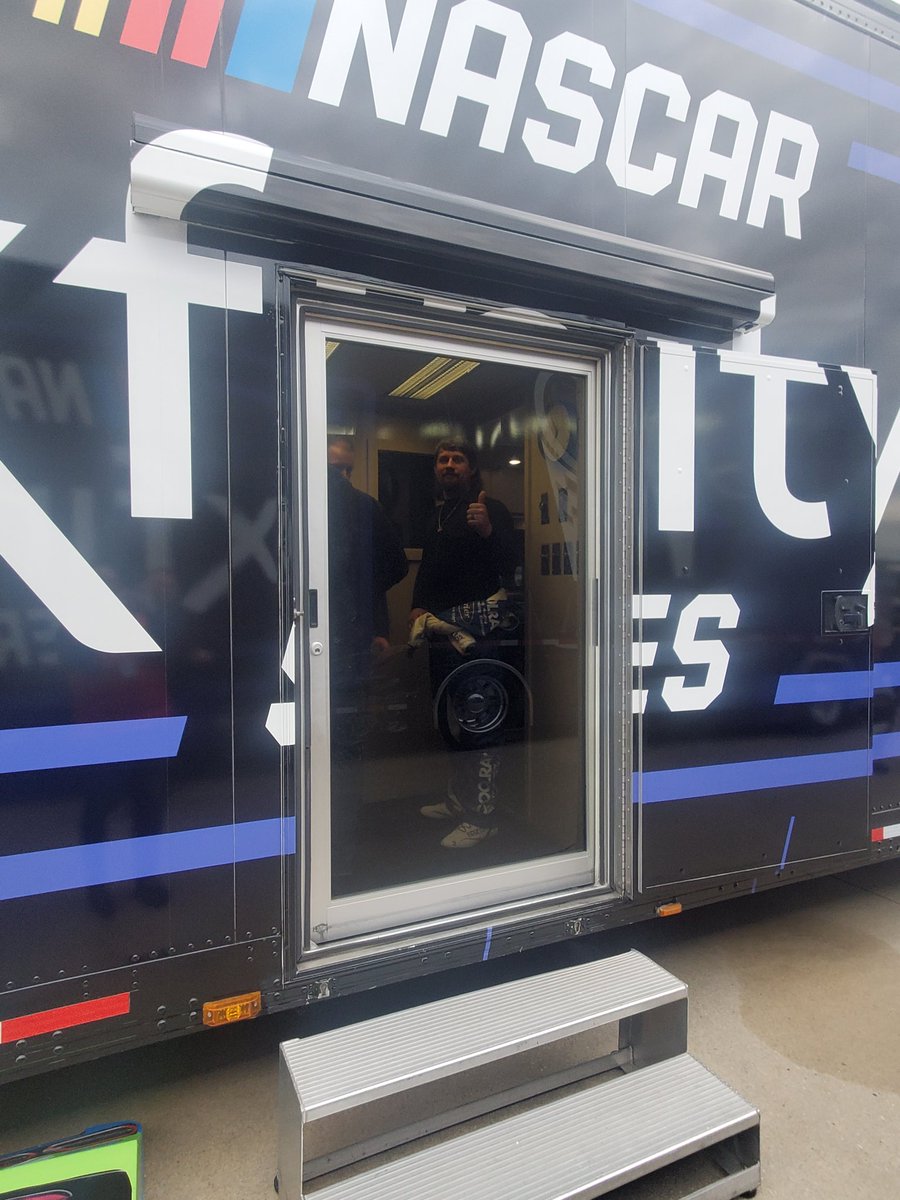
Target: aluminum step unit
column 567, row 1084
column 581, row 1145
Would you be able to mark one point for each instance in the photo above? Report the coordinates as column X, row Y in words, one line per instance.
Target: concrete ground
column 795, row 1002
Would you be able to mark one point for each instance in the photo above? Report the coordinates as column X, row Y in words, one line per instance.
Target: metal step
column 513, row 1091
column 393, row 1052
column 350, row 1093
column 584, row 1144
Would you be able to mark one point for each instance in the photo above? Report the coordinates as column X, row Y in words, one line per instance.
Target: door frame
column 599, row 870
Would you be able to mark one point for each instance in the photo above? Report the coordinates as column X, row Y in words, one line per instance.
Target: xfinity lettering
column 691, row 649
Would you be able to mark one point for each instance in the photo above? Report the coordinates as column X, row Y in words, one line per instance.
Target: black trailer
column 639, row 257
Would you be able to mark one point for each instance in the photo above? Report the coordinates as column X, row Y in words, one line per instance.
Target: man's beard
column 451, row 487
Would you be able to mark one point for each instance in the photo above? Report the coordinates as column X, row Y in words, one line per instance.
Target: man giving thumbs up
column 478, row 516
column 470, row 544
column 467, row 551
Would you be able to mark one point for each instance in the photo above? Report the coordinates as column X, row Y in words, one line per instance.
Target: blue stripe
column 785, row 51
column 836, row 685
column 827, row 685
column 886, row 674
column 787, row 842
column 874, row 162
column 45, row 871
column 487, row 943
column 51, row 746
column 886, row 745
column 756, row 775
column 269, row 42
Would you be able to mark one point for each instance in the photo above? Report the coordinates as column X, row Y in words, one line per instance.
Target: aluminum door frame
column 326, row 919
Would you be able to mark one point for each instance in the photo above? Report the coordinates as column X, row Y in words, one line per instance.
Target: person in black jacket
column 365, row 559
column 468, row 551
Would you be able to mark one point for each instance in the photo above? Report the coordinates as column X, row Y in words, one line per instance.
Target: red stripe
column 197, row 31
column 145, row 23
column 64, row 1018
column 878, row 835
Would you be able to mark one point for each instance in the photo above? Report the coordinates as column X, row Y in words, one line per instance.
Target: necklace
column 444, row 518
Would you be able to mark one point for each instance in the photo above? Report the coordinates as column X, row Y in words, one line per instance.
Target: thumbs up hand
column 477, row 516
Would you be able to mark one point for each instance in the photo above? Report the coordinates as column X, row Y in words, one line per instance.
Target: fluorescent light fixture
column 408, row 386
column 450, row 375
column 437, row 374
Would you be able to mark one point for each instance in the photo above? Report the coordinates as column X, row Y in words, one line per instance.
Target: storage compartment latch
column 845, row 612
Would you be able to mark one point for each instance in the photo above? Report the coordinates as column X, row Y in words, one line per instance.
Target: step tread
column 378, row 1057
column 578, row 1145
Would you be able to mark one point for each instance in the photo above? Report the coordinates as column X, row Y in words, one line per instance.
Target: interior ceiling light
column 408, row 386
column 444, row 379
column 330, row 348
column 437, row 374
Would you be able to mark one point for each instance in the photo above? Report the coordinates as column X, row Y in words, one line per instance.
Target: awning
column 330, row 216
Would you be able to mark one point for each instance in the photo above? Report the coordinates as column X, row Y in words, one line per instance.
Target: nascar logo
column 267, row 46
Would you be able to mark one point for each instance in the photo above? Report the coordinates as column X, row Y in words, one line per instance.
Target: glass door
column 451, row 552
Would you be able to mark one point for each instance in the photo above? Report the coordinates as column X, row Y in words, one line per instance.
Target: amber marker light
column 668, row 910
column 231, row 1009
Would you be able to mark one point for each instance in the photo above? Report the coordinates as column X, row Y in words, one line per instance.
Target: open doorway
column 452, row 692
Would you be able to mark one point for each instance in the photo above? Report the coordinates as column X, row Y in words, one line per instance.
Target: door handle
column 845, row 612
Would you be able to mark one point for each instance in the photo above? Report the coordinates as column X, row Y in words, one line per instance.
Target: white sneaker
column 438, row 812
column 466, row 835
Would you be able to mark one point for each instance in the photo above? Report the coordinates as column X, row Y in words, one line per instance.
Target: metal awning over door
column 351, row 221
